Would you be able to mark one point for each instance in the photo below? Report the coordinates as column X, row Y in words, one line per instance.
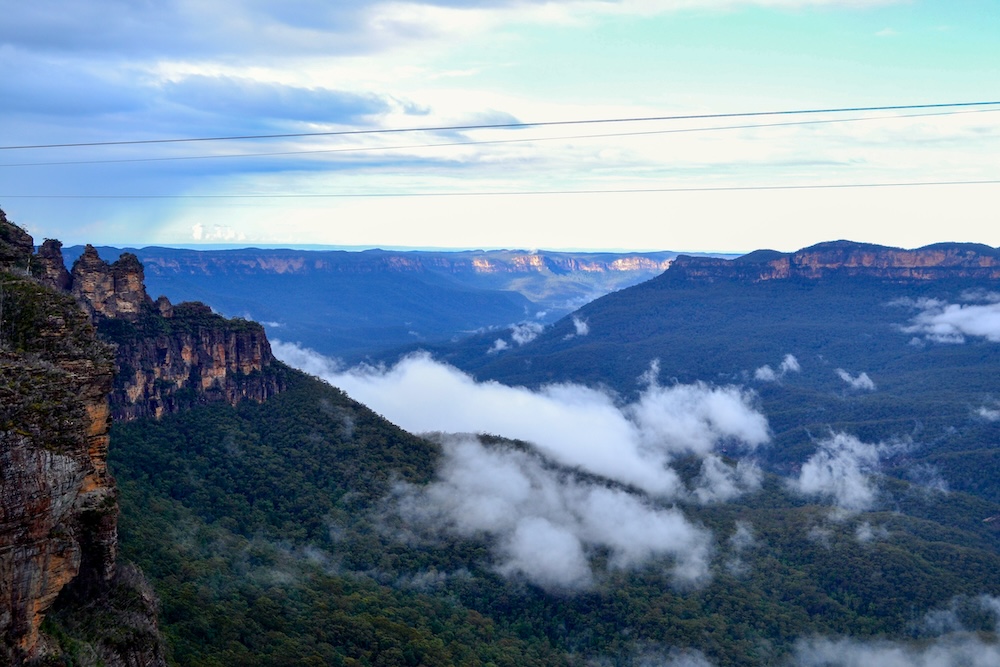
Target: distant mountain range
column 351, row 304
column 889, row 344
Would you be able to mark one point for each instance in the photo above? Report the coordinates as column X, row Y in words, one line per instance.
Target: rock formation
column 167, row 357
column 110, row 290
column 844, row 258
column 58, row 503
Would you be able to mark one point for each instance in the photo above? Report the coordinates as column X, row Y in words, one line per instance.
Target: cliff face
column 494, row 262
column 110, row 290
column 58, row 504
column 169, row 357
column 166, row 363
column 844, row 258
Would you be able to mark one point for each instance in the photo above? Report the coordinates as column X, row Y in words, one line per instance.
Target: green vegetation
column 720, row 332
column 269, row 533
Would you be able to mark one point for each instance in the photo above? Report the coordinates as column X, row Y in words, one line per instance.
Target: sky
column 121, row 71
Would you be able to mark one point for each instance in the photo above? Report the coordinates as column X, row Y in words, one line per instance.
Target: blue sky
column 112, row 70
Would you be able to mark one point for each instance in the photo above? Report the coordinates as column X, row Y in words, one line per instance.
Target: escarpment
column 58, row 503
column 168, row 357
column 847, row 259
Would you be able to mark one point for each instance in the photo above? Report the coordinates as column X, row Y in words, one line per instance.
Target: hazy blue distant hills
column 308, row 530
column 888, row 344
column 350, row 304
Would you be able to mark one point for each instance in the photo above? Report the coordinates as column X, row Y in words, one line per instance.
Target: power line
column 361, row 149
column 452, row 128
column 523, row 193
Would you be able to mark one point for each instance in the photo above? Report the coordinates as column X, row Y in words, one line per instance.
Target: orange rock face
column 58, row 503
column 844, row 258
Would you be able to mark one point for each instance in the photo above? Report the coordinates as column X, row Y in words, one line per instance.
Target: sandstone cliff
column 168, row 357
column 58, row 503
column 844, row 258
column 494, row 262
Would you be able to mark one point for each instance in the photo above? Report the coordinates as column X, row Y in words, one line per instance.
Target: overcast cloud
column 107, row 70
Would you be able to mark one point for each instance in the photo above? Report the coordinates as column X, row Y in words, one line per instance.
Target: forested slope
column 276, row 533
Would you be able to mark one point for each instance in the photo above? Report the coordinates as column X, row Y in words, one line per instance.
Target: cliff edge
column 58, row 503
column 167, row 357
column 848, row 259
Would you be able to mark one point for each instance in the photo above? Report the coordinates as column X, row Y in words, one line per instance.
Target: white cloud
column 989, row 414
column 790, row 364
column 543, row 518
column 581, row 326
column 944, row 322
column 865, row 532
column 525, row 332
column 861, row 382
column 571, row 424
column 544, row 521
column 719, row 482
column 740, row 541
column 767, row 374
column 951, row 651
column 499, row 345
column 841, row 470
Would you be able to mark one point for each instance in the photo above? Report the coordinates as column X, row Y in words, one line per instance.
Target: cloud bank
column 944, row 322
column 594, row 477
column 953, row 651
column 545, row 521
column 573, row 425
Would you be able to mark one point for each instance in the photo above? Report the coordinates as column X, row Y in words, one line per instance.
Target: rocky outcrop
column 58, row 503
column 110, row 290
column 52, row 268
column 844, row 258
column 170, row 357
column 16, row 246
column 189, row 356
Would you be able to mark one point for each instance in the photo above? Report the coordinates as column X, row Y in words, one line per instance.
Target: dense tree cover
column 927, row 392
column 270, row 534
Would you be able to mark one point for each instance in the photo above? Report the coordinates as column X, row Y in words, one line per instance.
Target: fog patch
column 841, row 470
column 581, row 327
column 719, row 482
column 741, row 541
column 927, row 478
column 950, row 651
column 865, row 532
column 545, row 522
column 990, row 414
column 590, row 476
column 788, row 365
column 525, row 332
column 672, row 658
column 570, row 424
column 861, row 382
column 943, row 322
column 765, row 374
column 499, row 345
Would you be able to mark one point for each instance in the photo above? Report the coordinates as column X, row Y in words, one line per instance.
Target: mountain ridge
column 931, row 262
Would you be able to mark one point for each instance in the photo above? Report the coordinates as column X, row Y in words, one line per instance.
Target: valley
column 735, row 462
